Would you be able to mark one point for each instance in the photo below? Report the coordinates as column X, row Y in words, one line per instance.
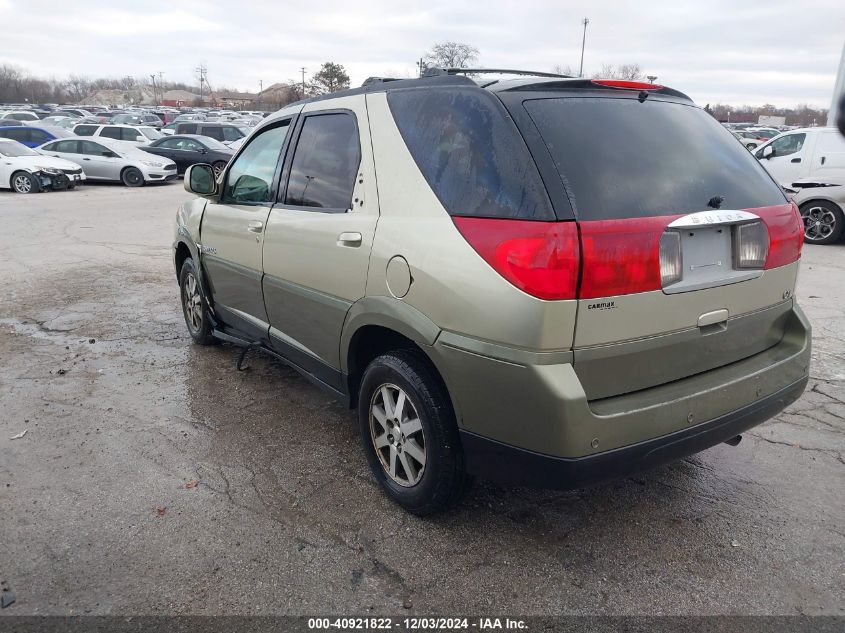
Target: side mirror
column 199, row 179
column 768, row 152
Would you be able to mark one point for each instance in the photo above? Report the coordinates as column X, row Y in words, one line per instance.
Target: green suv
column 541, row 281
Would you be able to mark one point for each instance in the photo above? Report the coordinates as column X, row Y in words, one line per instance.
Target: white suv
column 137, row 134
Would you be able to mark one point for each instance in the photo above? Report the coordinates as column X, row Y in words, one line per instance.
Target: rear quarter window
column 619, row 158
column 470, row 153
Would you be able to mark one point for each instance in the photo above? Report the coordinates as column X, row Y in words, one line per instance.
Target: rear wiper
column 715, row 202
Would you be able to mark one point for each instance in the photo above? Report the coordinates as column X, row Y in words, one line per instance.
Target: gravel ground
column 156, row 479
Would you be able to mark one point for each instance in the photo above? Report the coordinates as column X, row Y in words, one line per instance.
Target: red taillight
column 539, row 258
column 621, row 256
column 626, row 85
column 786, row 234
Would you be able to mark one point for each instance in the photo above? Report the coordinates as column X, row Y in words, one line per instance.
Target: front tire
column 132, row 177
column 24, row 182
column 823, row 222
column 194, row 308
column 409, row 433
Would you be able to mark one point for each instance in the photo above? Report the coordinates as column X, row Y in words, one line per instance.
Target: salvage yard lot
column 155, row 478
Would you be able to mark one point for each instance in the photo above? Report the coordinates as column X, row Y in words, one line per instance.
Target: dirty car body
column 540, row 281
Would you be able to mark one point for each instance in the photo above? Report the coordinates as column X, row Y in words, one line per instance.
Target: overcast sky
column 783, row 52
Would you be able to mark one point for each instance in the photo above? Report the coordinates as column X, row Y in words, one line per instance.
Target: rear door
column 688, row 249
column 319, row 235
column 233, row 228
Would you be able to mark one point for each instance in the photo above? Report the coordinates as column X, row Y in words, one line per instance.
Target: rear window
column 470, row 152
column 620, row 158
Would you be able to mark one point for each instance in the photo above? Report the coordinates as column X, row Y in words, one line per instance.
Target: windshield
column 150, row 133
column 620, row 158
column 16, row 149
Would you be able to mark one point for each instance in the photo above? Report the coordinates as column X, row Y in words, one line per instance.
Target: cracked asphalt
column 154, row 478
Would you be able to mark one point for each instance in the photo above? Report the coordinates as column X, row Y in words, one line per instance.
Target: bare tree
column 451, row 55
column 631, row 72
column 78, row 87
column 566, row 69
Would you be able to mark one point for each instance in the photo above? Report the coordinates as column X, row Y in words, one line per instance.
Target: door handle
column 795, row 160
column 256, row 225
column 823, row 157
column 86, row 159
column 352, row 239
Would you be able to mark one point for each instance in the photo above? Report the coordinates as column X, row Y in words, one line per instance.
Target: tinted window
column 39, row 136
column 250, row 178
column 232, row 134
column 169, row 143
column 213, row 132
column 325, row 162
column 470, row 153
column 20, row 134
column 85, row 130
column 789, row 144
column 111, row 132
column 68, row 147
column 93, row 149
column 620, row 158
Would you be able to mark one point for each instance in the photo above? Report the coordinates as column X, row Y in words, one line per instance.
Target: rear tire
column 823, row 222
column 24, row 182
column 409, row 433
column 132, row 177
column 194, row 308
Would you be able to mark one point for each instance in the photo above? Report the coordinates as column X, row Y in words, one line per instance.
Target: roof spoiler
column 436, row 72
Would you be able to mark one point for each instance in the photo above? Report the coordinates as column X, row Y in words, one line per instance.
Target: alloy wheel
column 193, row 303
column 22, row 184
column 397, row 435
column 819, row 223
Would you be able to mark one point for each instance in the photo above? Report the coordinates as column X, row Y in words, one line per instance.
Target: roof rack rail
column 434, row 72
column 378, row 80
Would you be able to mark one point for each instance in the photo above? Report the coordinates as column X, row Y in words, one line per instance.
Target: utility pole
column 260, row 90
column 201, row 71
column 585, row 22
column 303, row 81
column 421, row 65
column 153, row 77
column 651, row 78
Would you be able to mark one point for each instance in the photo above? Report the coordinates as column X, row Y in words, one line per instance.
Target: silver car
column 105, row 159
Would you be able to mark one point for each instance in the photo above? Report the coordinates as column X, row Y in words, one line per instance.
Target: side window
column 231, row 134
column 85, row 130
column 129, row 134
column 789, row 144
column 470, row 153
column 67, row 147
column 110, row 132
column 213, row 132
column 21, row 134
column 190, row 146
column 39, row 136
column 188, row 128
column 250, row 178
column 89, row 148
column 322, row 173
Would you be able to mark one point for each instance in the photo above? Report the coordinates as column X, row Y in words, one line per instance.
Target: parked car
column 33, row 136
column 24, row 170
column 80, row 112
column 223, row 132
column 195, row 116
column 190, row 149
column 139, row 135
column 822, row 206
column 20, row 115
column 490, row 276
column 8, row 122
column 749, row 139
column 150, row 120
column 105, row 159
column 807, row 153
column 763, row 133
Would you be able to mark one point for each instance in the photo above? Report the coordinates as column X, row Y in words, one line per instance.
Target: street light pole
column 585, row 22
column 303, row 81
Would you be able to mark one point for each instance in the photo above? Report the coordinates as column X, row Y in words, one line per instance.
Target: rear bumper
column 525, row 417
column 506, row 464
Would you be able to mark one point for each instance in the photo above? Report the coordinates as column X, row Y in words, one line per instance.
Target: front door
column 319, row 235
column 99, row 163
column 233, row 229
column 786, row 164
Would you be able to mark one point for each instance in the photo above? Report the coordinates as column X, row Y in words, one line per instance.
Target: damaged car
column 24, row 170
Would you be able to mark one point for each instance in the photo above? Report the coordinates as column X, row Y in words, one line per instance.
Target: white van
column 813, row 152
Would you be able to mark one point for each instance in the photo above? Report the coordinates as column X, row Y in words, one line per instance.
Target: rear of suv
column 540, row 281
